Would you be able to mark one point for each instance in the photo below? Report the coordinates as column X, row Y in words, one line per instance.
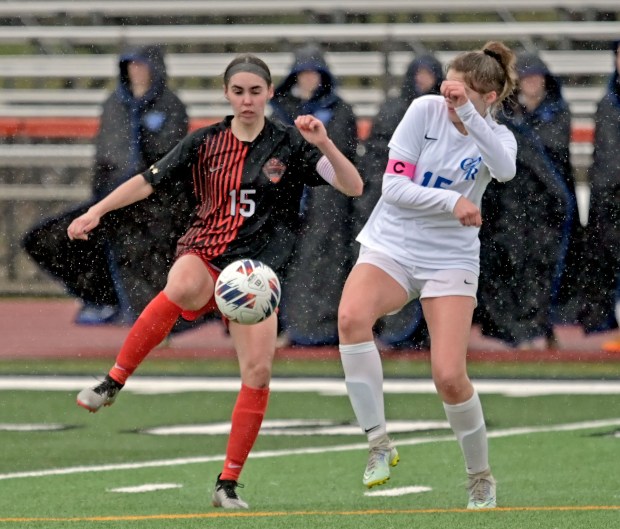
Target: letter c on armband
column 399, row 167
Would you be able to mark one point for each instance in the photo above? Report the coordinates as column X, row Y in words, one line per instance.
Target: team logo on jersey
column 471, row 167
column 274, row 169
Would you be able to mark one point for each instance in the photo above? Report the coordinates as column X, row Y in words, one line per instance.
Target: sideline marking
column 144, row 385
column 147, row 487
column 586, row 425
column 399, row 491
column 294, row 427
column 267, row 514
column 33, row 427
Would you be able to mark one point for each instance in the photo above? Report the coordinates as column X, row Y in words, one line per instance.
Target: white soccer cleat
column 225, row 495
column 380, row 459
column 103, row 394
column 482, row 491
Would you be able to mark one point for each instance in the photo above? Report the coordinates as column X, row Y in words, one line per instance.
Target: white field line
column 301, row 451
column 147, row 487
column 398, row 491
column 144, row 385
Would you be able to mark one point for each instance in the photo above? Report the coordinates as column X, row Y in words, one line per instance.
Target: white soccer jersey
column 413, row 221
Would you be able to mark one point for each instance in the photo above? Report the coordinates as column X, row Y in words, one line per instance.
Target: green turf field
column 150, row 460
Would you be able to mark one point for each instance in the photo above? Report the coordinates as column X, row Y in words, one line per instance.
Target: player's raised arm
column 346, row 177
column 134, row 190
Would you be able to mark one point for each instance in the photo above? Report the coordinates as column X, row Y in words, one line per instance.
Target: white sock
column 363, row 375
column 467, row 422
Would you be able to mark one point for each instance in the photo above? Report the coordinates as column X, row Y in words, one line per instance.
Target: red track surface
column 40, row 329
column 86, row 128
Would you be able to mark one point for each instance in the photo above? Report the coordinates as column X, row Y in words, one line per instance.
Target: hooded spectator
column 530, row 238
column 601, row 268
column 324, row 254
column 141, row 120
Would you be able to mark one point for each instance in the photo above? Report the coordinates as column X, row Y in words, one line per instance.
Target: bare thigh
column 369, row 293
column 449, row 324
column 255, row 346
column 189, row 284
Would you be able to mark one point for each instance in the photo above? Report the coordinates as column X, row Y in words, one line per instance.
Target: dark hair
column 492, row 68
column 247, row 62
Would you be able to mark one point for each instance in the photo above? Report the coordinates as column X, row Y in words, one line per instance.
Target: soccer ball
column 247, row 291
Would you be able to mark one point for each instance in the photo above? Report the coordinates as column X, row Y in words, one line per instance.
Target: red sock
column 147, row 332
column 247, row 416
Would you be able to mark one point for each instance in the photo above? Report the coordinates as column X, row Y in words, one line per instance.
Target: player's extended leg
column 449, row 324
column 189, row 287
column 255, row 346
column 368, row 294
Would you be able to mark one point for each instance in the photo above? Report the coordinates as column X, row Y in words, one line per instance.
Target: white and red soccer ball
column 247, row 291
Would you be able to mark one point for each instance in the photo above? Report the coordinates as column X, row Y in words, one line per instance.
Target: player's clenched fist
column 83, row 225
column 311, row 128
column 455, row 92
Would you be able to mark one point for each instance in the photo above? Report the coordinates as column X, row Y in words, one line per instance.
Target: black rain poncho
column 323, row 255
column 530, row 232
column 126, row 259
column 600, row 279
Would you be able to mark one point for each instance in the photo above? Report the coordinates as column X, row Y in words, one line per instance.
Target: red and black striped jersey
column 247, row 193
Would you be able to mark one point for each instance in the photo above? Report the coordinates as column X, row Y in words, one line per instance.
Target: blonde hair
column 491, row 68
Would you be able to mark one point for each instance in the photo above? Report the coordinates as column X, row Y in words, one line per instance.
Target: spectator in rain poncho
column 531, row 232
column 140, row 122
column 323, row 256
column 600, row 296
column 423, row 76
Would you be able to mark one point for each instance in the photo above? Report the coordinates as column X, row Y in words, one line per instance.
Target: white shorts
column 420, row 283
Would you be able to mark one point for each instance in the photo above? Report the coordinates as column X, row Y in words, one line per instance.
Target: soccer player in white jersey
column 421, row 241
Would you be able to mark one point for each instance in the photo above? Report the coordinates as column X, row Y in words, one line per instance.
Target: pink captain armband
column 399, row 167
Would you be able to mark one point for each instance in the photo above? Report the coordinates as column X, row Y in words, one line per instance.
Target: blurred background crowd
column 550, row 242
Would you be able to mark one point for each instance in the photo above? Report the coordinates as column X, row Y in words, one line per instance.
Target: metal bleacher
column 59, row 62
column 41, row 10
column 301, row 33
column 209, row 102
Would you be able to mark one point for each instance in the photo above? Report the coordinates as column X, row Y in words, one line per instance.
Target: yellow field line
column 266, row 514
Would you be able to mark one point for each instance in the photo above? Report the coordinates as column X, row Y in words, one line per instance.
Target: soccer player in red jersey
column 247, row 173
